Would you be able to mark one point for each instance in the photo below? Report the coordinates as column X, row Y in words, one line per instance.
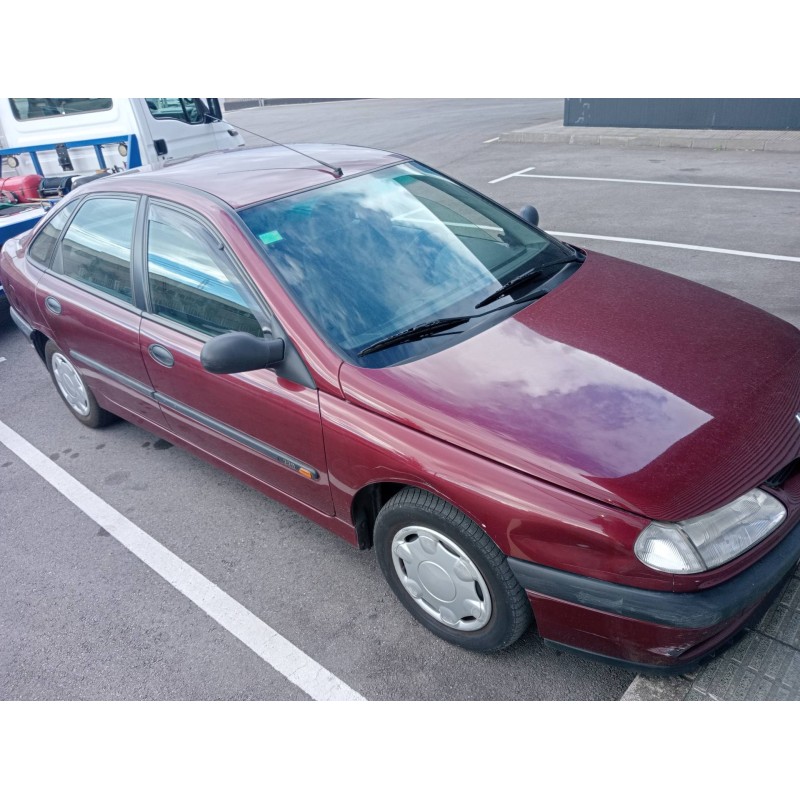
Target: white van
column 165, row 128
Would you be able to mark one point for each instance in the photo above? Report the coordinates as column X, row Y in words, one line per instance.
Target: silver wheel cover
column 70, row 384
column 441, row 578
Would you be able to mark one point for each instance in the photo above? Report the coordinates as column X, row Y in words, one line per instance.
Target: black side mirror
column 240, row 352
column 530, row 215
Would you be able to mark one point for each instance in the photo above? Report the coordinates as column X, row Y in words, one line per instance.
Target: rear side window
column 189, row 282
column 96, row 249
column 25, row 108
column 42, row 247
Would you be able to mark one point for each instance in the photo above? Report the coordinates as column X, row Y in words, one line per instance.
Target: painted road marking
column 524, row 174
column 489, row 141
column 2, row 359
column 263, row 640
column 748, row 254
column 512, row 175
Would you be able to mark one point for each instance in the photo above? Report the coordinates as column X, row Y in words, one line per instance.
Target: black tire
column 510, row 613
column 95, row 417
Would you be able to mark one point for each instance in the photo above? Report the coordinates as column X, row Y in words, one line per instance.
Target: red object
column 624, row 395
column 21, row 188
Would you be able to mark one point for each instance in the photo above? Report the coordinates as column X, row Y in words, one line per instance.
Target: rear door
column 265, row 426
column 86, row 297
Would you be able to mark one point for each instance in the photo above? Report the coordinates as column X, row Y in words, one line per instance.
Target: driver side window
column 183, row 109
column 189, row 282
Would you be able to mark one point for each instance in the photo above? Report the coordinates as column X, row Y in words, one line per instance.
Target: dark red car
column 522, row 429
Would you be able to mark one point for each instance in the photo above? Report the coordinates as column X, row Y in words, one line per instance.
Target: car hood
column 626, row 384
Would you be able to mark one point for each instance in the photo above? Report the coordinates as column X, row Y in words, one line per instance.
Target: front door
column 178, row 128
column 264, row 426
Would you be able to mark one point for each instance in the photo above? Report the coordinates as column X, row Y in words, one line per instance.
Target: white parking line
column 512, row 175
column 524, row 174
column 746, row 253
column 489, row 141
column 264, row 641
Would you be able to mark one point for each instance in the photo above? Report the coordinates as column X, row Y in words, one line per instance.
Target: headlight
column 705, row 542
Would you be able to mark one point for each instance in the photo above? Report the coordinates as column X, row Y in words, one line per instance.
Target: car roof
column 251, row 175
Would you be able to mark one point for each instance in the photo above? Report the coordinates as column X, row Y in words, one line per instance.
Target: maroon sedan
column 522, row 429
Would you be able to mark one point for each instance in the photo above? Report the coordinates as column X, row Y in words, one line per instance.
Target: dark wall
column 719, row 114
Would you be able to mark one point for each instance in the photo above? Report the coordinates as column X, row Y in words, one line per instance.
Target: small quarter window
column 96, row 249
column 189, row 282
column 42, row 248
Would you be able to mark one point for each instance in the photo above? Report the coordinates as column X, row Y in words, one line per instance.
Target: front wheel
column 448, row 573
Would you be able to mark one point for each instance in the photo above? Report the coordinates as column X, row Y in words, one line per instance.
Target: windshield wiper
column 514, row 283
column 438, row 325
column 416, row 332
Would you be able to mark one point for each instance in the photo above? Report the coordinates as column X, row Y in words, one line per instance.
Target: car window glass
column 42, row 247
column 25, row 108
column 96, row 249
column 189, row 282
column 183, row 109
column 376, row 254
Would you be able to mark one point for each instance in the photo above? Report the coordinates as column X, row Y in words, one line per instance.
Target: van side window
column 25, row 108
column 182, row 109
column 96, row 249
column 42, row 248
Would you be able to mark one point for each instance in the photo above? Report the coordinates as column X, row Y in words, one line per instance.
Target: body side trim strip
column 198, row 416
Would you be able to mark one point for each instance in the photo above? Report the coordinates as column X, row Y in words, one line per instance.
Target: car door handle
column 52, row 305
column 160, row 354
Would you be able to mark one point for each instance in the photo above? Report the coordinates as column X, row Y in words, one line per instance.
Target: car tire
column 72, row 389
column 448, row 573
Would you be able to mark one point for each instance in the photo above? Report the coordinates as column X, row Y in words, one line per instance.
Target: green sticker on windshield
column 270, row 236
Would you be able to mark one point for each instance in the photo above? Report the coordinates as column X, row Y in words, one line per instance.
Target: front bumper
column 656, row 631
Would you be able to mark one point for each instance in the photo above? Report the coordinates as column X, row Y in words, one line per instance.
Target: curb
column 649, row 689
column 650, row 139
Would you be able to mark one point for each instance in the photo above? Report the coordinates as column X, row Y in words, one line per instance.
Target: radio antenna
column 337, row 171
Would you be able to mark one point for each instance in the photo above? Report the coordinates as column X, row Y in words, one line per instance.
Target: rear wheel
column 74, row 392
column 448, row 573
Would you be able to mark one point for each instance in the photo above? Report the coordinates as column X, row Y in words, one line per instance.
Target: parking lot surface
column 83, row 614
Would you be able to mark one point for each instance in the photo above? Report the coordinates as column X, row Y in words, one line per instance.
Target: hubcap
column 70, row 384
column 441, row 578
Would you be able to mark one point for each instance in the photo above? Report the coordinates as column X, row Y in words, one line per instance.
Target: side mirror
column 240, row 352
column 530, row 215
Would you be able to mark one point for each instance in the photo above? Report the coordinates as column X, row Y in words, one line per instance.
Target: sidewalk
column 763, row 665
column 557, row 133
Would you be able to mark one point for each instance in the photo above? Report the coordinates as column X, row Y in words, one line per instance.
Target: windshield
column 368, row 257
